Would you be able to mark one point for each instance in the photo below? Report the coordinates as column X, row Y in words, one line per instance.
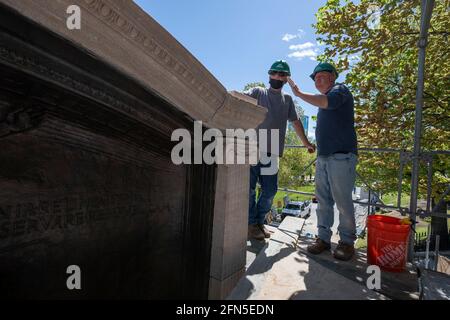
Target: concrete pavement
column 284, row 270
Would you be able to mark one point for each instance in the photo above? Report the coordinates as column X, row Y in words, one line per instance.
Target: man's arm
column 298, row 127
column 318, row 100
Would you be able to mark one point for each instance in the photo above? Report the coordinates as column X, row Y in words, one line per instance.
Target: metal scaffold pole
column 427, row 9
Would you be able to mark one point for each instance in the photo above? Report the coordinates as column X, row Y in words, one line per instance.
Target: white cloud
column 301, row 46
column 288, row 37
column 304, row 50
column 303, row 54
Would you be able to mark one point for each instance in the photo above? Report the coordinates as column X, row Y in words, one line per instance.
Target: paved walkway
column 284, row 270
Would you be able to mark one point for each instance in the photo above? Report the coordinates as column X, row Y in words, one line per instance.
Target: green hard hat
column 324, row 66
column 281, row 66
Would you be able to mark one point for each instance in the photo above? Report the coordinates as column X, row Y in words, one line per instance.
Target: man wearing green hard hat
column 281, row 108
column 324, row 66
column 336, row 159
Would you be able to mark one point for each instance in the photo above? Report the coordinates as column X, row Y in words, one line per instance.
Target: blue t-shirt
column 335, row 129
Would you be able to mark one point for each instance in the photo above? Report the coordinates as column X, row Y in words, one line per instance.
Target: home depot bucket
column 387, row 243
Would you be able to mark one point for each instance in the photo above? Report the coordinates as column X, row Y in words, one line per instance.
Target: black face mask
column 276, row 84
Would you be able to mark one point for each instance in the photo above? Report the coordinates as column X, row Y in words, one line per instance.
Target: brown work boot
column 318, row 247
column 264, row 230
column 254, row 232
column 344, row 251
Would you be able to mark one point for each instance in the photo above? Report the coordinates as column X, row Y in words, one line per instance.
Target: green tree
column 291, row 172
column 375, row 41
column 299, row 109
column 251, row 85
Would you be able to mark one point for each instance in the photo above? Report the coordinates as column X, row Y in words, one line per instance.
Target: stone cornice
column 121, row 34
column 150, row 45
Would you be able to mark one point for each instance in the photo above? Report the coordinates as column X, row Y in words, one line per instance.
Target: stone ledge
column 124, row 36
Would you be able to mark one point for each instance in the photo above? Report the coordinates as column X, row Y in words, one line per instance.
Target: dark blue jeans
column 269, row 184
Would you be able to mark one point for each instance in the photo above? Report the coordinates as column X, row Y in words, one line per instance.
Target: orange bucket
column 387, row 243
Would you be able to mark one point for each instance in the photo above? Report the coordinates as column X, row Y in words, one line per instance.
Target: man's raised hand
column 291, row 82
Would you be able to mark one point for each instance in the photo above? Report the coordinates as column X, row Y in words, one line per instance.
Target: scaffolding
column 415, row 156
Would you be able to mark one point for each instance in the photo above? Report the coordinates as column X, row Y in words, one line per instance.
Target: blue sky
column 238, row 40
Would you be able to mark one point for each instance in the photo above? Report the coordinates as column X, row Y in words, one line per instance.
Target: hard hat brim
column 313, row 75
column 273, row 70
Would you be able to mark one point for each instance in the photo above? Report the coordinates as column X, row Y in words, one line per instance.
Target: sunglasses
column 280, row 73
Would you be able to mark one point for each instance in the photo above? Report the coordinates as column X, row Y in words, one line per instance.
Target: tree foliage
column 375, row 41
column 291, row 172
column 251, row 85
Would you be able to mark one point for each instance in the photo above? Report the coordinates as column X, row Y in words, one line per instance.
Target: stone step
column 263, row 254
column 254, row 247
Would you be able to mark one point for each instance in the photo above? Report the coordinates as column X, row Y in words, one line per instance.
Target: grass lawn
column 293, row 196
column 391, row 198
column 387, row 198
column 362, row 243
